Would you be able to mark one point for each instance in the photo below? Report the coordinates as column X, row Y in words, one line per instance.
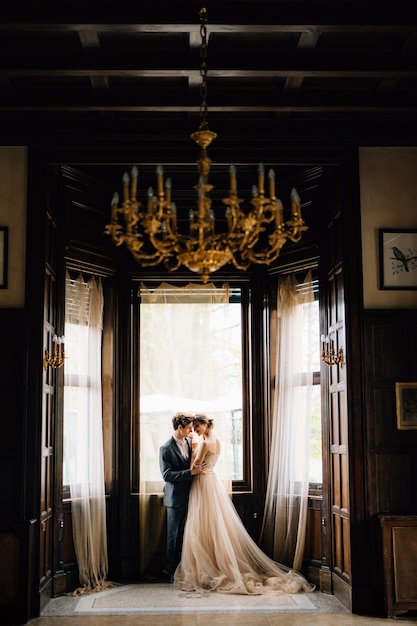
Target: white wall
column 388, row 193
column 13, row 184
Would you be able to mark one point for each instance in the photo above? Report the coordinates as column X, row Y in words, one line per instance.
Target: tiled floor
column 253, row 619
column 161, row 605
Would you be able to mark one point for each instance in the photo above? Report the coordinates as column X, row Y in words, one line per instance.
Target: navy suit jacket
column 176, row 473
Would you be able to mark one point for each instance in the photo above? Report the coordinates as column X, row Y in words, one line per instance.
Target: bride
column 218, row 554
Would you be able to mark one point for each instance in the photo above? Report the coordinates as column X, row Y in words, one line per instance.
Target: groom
column 174, row 462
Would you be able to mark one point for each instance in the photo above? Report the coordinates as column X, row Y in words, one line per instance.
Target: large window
column 190, row 360
column 311, row 330
column 83, row 448
column 309, row 378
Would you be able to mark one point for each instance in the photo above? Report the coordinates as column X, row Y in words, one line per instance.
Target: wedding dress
column 218, row 554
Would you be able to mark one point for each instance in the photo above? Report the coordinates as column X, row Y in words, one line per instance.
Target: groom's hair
column 182, row 419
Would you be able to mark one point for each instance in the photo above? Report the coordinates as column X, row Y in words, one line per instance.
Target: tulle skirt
column 219, row 555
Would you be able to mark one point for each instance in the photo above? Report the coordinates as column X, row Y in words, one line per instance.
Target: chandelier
column 253, row 236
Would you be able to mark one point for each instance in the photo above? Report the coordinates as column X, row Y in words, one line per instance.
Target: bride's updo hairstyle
column 200, row 418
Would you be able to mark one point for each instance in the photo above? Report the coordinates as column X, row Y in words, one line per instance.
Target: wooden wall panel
column 16, row 536
column 12, row 375
column 390, row 348
column 16, row 571
column 313, row 547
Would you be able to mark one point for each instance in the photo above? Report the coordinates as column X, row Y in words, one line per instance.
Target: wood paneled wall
column 390, row 349
column 17, row 537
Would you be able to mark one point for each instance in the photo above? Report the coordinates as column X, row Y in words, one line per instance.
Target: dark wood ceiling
column 278, row 72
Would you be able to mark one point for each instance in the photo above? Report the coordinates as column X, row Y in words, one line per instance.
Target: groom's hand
column 198, row 469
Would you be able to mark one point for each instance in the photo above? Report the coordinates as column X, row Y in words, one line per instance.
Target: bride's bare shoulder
column 214, row 444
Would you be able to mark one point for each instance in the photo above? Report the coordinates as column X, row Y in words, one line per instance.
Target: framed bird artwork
column 398, row 258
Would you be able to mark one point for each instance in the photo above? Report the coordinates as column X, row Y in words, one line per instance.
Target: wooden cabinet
column 399, row 543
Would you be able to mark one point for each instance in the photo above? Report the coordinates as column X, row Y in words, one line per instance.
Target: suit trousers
column 175, row 532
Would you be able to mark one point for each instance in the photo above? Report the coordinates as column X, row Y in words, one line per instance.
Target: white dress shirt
column 183, row 446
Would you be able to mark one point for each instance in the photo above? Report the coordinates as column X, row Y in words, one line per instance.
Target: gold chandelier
column 255, row 236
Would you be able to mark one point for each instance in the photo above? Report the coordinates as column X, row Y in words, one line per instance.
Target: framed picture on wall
column 398, row 258
column 4, row 233
column 406, row 400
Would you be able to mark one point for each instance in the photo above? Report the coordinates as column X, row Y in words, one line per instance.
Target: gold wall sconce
column 57, row 358
column 328, row 353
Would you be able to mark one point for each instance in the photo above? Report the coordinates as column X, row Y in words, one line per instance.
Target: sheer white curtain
column 83, row 435
column 284, row 523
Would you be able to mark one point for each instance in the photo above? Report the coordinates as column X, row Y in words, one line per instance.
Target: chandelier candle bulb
column 134, row 185
column 174, row 215
column 126, row 181
column 191, row 222
column 168, row 187
column 150, row 200
column 279, row 210
column 271, row 178
column 261, row 178
column 160, row 179
column 295, row 204
column 232, row 172
column 114, row 205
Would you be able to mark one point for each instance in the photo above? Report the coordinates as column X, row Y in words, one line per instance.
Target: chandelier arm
column 239, row 265
column 145, row 259
column 263, row 258
column 175, row 266
column 165, row 247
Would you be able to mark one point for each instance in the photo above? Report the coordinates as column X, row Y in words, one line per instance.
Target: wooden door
column 46, row 491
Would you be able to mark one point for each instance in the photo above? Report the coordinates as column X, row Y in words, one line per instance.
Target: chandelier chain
column 203, row 69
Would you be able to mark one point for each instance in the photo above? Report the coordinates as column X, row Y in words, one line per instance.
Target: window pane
column 191, row 361
column 316, row 467
column 308, row 394
column 310, row 361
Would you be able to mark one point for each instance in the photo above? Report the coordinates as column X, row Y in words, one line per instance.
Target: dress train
column 219, row 555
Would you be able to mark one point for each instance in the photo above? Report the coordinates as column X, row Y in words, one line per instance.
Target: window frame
column 238, row 486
